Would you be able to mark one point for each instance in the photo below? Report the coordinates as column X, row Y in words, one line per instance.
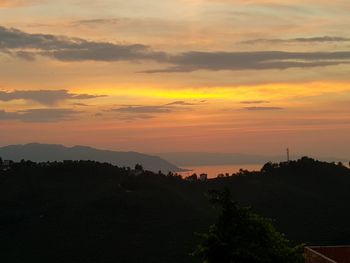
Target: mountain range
column 52, row 152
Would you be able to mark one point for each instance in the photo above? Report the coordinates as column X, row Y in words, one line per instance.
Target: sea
column 214, row 170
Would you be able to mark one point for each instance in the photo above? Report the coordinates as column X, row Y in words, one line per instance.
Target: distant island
column 37, row 152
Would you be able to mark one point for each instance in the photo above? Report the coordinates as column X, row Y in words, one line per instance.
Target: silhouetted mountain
column 51, row 152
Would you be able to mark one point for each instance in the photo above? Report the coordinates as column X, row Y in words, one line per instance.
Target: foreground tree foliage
column 241, row 236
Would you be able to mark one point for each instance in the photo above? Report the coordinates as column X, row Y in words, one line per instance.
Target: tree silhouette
column 138, row 167
column 192, row 178
column 241, row 236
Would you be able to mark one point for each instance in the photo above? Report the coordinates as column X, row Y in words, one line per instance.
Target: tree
column 268, row 167
column 192, row 178
column 241, row 236
column 138, row 167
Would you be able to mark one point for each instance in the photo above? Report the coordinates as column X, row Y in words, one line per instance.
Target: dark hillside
column 90, row 212
column 308, row 199
column 93, row 212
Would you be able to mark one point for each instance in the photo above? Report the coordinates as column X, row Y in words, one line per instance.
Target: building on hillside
column 327, row 254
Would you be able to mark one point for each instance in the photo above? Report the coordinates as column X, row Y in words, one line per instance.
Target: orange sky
column 180, row 75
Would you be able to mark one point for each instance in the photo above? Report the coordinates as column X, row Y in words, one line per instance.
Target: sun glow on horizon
column 184, row 74
column 275, row 91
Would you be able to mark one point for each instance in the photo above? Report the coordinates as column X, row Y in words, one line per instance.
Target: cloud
column 137, row 112
column 165, row 108
column 100, row 21
column 24, row 55
column 81, row 104
column 28, row 46
column 256, row 60
column 254, row 102
column 8, row 115
column 323, row 39
column 45, row 97
column 262, row 108
column 133, row 112
column 181, row 103
column 39, row 115
column 134, row 117
column 144, row 109
column 25, row 45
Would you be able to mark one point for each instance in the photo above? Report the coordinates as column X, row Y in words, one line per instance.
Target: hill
column 92, row 212
column 211, row 158
column 308, row 199
column 51, row 152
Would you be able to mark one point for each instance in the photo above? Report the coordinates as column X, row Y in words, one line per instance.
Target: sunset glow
column 181, row 75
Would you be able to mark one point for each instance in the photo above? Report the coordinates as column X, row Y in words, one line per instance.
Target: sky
column 228, row 76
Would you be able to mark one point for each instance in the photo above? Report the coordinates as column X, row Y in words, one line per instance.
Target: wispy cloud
column 181, row 103
column 322, row 39
column 103, row 21
column 45, row 97
column 39, row 115
column 81, row 104
column 24, row 45
column 144, row 109
column 256, row 60
column 151, row 111
column 263, row 108
column 254, row 102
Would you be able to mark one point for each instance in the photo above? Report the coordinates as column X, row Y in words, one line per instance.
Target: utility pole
column 288, row 158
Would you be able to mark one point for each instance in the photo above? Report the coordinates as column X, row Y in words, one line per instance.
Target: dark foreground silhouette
column 94, row 212
column 240, row 235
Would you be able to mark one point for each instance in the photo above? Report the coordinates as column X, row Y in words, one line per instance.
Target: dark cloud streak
column 28, row 46
column 181, row 103
column 25, row 45
column 258, row 60
column 45, row 97
column 144, row 109
column 254, row 102
column 323, row 39
column 39, row 115
column 263, row 108
column 133, row 112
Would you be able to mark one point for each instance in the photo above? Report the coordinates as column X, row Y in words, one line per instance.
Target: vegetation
column 84, row 211
column 244, row 237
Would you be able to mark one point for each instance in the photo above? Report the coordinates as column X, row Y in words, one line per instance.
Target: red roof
column 327, row 254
